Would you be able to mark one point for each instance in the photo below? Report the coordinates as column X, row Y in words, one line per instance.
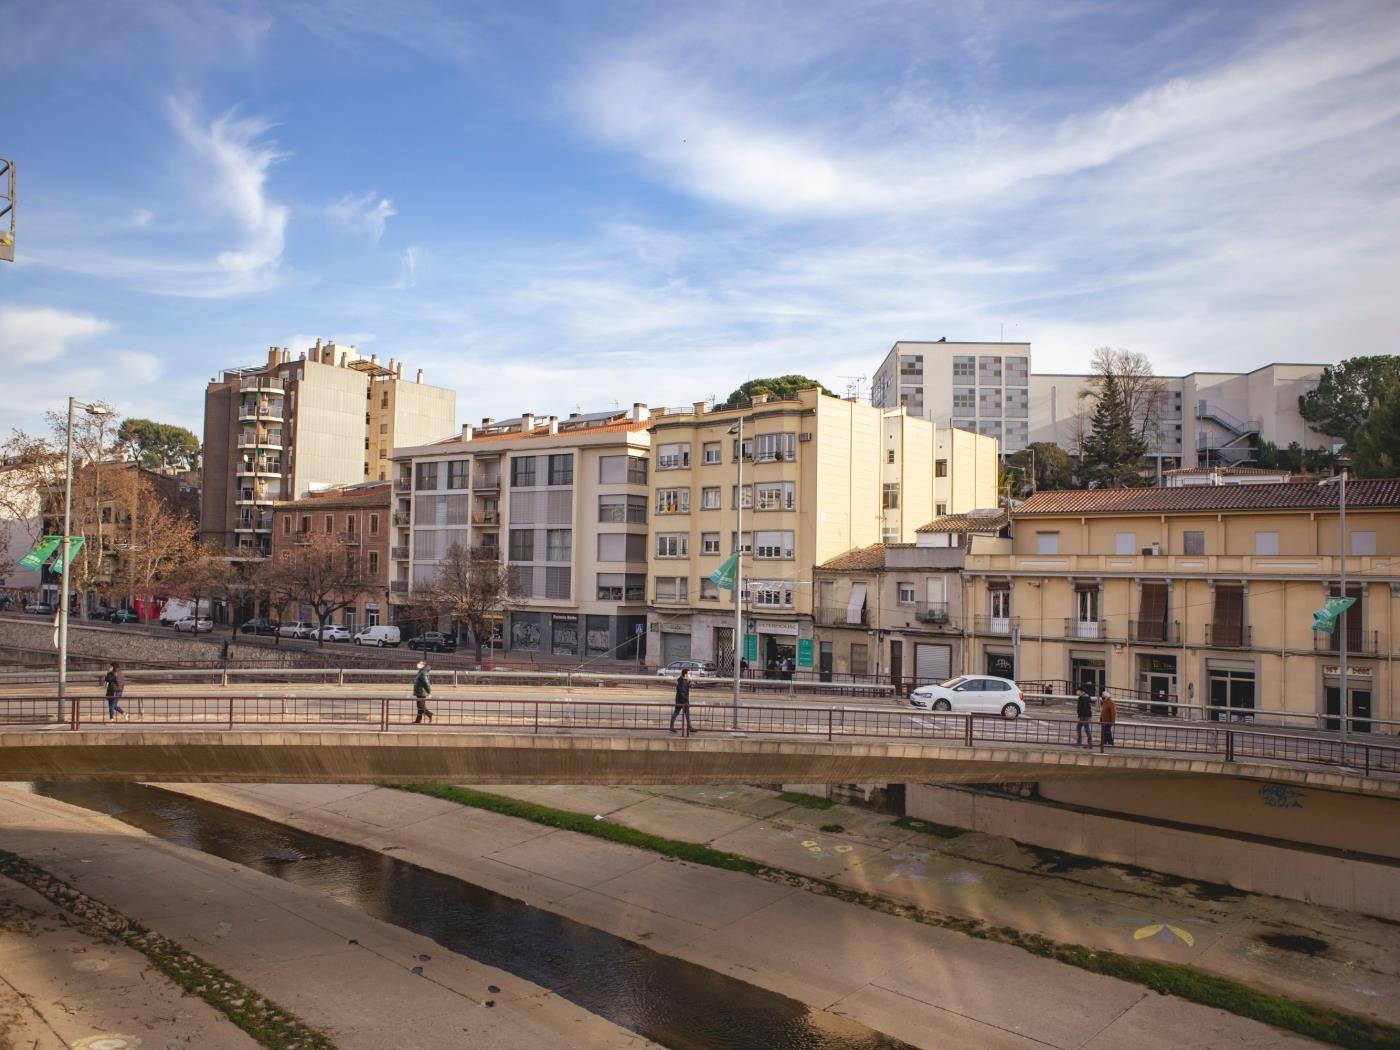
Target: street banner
column 724, row 575
column 75, row 544
column 41, row 553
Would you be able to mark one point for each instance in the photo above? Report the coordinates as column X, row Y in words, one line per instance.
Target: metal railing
column 838, row 616
column 997, row 624
column 486, row 482
column 378, row 712
column 1362, row 642
column 1227, row 636
column 399, row 553
column 403, row 484
column 1089, row 629
column 931, row 612
column 398, row 586
column 1154, row 631
column 486, row 517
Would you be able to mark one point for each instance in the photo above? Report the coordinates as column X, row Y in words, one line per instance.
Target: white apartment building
column 1206, row 419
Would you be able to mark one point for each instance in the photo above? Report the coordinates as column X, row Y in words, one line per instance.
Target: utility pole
column 7, row 210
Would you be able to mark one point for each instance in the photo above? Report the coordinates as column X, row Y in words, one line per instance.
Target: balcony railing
column 262, row 383
column 352, row 538
column 401, row 517
column 997, row 624
column 486, row 482
column 1369, row 642
column 931, row 612
column 1154, row 631
column 837, row 616
column 1228, row 636
column 489, row 553
column 1077, row 628
column 486, row 517
column 399, row 553
column 398, row 586
column 403, row 484
column 671, row 599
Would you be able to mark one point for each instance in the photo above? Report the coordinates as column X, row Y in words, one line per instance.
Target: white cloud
column 43, row 334
column 364, row 215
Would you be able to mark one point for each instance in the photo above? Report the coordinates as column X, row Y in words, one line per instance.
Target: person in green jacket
column 422, row 689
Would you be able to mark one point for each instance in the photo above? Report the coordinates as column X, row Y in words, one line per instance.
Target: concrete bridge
column 373, row 739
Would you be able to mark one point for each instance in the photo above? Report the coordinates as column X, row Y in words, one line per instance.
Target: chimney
column 486, row 421
column 554, row 424
column 344, row 359
column 639, row 412
column 318, row 347
column 391, row 366
column 698, row 407
column 374, row 359
column 287, row 355
column 272, row 356
column 467, row 431
column 527, row 422
column 419, row 379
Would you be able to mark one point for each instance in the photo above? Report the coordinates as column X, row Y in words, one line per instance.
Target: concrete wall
column 114, row 643
column 1363, row 886
column 329, row 429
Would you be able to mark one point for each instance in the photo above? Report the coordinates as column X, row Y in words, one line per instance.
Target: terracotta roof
column 1226, row 471
column 377, row 499
column 858, row 559
column 539, row 432
column 967, row 523
column 1376, row 492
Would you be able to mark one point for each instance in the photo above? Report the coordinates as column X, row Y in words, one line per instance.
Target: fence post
column 829, row 714
column 223, row 677
column 384, row 714
column 230, row 712
column 340, row 677
column 1229, row 745
column 967, row 734
column 454, row 678
column 537, row 716
column 74, row 718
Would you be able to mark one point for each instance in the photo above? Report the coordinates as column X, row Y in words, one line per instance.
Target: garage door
column 933, row 663
column 675, row 647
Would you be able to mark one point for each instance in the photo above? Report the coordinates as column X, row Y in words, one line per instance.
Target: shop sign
column 775, row 627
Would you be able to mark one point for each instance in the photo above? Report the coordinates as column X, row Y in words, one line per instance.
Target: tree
column 152, row 540
column 1113, row 452
column 472, row 587
column 1052, row 466
column 158, row 446
column 1144, row 394
column 1376, row 452
column 325, row 573
column 1343, row 397
column 785, row 387
column 1296, row 458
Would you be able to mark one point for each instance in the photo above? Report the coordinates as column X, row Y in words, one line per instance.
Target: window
column 940, row 468
column 1047, row 543
column 1125, row 543
column 989, row 371
column 622, row 546
column 631, row 509
column 1018, row 370
column 561, row 469
column 709, row 498
column 1086, row 605
column 709, row 543
column 673, row 501
column 305, row 524
column 771, row 545
column 889, row 455
column 1001, row 604
column 384, row 428
column 1193, row 543
column 672, row 545
column 349, row 525
column 621, row 587
column 734, row 448
column 748, row 542
column 772, row 447
column 522, row 472
column 776, row 495
column 672, row 589
column 964, row 367
column 965, row 399
column 1363, row 544
column 906, row 594
column 1265, row 544
column 940, row 509
column 330, row 522
column 672, row 457
column 374, row 524
column 427, row 476
column 709, row 590
column 622, row 470
column 458, row 473
column 860, row 658
column 771, row 594
column 559, row 544
column 286, row 526
column 891, row 495
column 989, row 402
column 711, row 453
column 522, row 545
column 748, row 496
column 373, row 562
column 1017, row 404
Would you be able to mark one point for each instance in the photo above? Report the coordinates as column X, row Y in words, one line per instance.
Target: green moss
column 833, row 829
column 928, row 827
column 264, row 1020
column 1316, row 1022
column 801, row 798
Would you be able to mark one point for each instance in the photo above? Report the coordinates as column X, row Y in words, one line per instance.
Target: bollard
column 223, row 677
column 384, row 714
column 967, row 730
column 230, row 712
column 340, row 677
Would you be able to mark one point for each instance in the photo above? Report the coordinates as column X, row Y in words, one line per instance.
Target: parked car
column 261, row 625
column 434, row 641
column 972, row 694
column 378, row 635
column 39, row 608
column 697, row 668
column 123, row 616
column 296, row 629
column 194, row 624
column 333, row 632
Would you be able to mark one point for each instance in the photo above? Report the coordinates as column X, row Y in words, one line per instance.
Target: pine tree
column 1113, row 452
column 1377, row 440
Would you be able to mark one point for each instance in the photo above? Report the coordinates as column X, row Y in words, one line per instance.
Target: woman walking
column 422, row 689
column 116, row 685
column 682, row 701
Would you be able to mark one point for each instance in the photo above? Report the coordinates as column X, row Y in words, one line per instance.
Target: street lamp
column 1343, row 700
column 738, row 429
column 97, row 411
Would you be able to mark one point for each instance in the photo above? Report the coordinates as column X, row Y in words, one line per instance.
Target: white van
column 378, row 635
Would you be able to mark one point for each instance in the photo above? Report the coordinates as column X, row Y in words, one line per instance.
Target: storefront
column 776, row 645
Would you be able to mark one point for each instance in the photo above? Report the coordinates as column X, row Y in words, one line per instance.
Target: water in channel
column 672, row 1002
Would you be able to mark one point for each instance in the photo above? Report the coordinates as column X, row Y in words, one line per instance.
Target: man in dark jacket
column 422, row 689
column 1084, row 711
column 682, row 701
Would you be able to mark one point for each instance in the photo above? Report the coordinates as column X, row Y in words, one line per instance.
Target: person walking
column 422, row 689
column 1108, row 716
column 116, row 685
column 1084, row 711
column 682, row 701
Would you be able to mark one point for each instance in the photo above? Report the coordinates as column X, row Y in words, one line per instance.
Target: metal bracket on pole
column 7, row 210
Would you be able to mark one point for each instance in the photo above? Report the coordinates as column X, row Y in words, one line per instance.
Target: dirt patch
column 1296, row 942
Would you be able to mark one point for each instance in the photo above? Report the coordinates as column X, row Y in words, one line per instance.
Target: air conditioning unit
column 806, row 435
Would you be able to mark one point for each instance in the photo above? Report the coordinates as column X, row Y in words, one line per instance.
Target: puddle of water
column 670, row 1001
column 1296, row 942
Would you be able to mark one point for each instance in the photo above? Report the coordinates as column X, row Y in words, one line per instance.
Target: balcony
column 260, row 441
column 399, row 553
column 488, row 553
column 1363, row 643
column 350, row 538
column 486, row 517
column 401, row 517
column 262, row 383
column 1002, row 625
column 1228, row 636
column 258, row 524
column 398, row 586
column 931, row 612
column 1154, row 632
column 1096, row 630
column 836, row 616
column 486, row 483
column 253, row 495
column 403, row 484
column 260, row 410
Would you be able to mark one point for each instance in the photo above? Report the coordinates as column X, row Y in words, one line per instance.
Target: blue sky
column 556, row 206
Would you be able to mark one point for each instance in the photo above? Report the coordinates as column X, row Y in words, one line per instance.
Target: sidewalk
column 928, row 986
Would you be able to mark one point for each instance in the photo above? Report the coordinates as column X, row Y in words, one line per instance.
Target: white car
column 697, row 668
column 297, row 629
column 972, row 694
column 194, row 624
column 334, row 632
column 378, row 635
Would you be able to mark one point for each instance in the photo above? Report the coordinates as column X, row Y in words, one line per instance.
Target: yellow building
column 821, row 476
column 1205, row 593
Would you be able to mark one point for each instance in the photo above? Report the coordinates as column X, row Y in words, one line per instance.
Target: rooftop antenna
column 857, row 388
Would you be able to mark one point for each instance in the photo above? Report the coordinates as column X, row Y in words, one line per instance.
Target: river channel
column 672, row 1002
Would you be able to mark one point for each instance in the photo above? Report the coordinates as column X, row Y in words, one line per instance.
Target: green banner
column 75, row 544
column 43, row 550
column 804, row 652
column 724, row 575
column 751, row 649
column 1325, row 619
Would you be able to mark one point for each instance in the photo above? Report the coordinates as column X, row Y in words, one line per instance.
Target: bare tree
column 325, row 573
column 472, row 587
column 1143, row 393
column 152, row 540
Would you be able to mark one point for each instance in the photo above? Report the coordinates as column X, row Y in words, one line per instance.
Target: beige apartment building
column 563, row 501
column 1203, row 592
column 284, row 429
column 821, row 476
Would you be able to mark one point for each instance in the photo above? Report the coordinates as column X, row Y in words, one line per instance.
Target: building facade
column 290, row 427
column 1204, row 418
column 1206, row 593
column 821, row 476
column 562, row 501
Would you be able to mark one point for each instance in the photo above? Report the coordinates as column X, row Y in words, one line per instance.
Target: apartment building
column 284, row 429
column 356, row 517
column 1204, row 418
column 1204, row 592
column 563, row 501
column 821, row 476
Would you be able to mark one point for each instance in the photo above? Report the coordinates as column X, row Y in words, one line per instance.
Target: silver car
column 194, row 624
column 972, row 694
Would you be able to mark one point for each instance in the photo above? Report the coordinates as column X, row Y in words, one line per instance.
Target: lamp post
column 738, row 428
column 98, row 411
column 1343, row 699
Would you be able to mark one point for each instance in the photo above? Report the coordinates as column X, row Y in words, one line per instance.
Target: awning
column 856, row 605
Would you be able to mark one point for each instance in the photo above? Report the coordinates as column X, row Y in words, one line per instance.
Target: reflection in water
column 672, row 1002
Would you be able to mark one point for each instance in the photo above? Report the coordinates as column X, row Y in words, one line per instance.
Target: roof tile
column 1373, row 492
column 858, row 559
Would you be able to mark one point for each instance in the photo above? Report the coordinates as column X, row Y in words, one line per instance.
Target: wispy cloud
column 30, row 335
column 364, row 215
